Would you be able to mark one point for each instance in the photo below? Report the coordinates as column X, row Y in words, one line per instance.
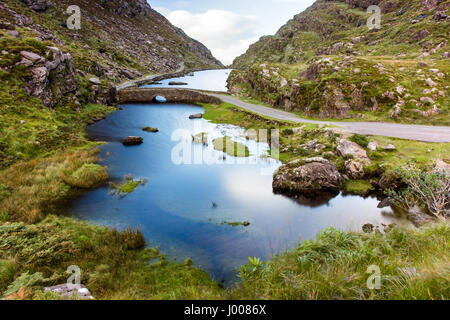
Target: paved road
column 395, row 130
column 149, row 78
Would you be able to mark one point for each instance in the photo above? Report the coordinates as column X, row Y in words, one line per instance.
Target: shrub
column 7, row 273
column 360, row 139
column 428, row 189
column 288, row 132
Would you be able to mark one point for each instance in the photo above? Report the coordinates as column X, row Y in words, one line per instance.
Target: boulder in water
column 150, row 129
column 196, row 116
column 132, row 141
column 177, row 83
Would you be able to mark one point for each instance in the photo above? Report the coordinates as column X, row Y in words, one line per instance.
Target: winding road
column 393, row 130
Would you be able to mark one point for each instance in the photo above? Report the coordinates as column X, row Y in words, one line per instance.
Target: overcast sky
column 228, row 27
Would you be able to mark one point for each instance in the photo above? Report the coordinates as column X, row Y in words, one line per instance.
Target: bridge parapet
column 172, row 95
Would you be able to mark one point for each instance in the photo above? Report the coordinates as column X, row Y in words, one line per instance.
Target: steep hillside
column 326, row 63
column 54, row 80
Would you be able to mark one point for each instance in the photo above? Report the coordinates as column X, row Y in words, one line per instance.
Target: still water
column 212, row 80
column 174, row 208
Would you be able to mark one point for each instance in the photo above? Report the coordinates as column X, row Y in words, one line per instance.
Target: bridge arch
column 172, row 95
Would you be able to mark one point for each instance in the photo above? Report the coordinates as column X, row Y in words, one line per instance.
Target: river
column 175, row 210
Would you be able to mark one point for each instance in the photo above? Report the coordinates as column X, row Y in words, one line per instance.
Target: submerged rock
column 132, row 141
column 307, row 176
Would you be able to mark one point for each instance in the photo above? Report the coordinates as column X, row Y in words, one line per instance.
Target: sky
column 228, row 27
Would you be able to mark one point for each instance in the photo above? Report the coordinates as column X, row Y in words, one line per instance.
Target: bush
column 360, row 139
column 7, row 273
column 427, row 189
column 288, row 132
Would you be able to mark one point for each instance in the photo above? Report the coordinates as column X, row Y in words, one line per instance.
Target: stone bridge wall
column 173, row 95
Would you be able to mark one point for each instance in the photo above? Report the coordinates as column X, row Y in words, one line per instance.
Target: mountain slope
column 54, row 81
column 119, row 37
column 326, row 63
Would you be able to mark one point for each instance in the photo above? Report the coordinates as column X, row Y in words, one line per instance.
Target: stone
column 389, row 94
column 389, row 147
column 150, row 129
column 196, row 116
column 132, row 141
column 385, row 203
column 426, row 100
column 7, row 26
column 95, row 81
column 357, row 39
column 348, row 148
column 355, row 168
column 368, row 228
column 31, row 56
column 68, row 293
column 430, row 82
column 372, row 146
column 440, row 15
column 307, row 176
column 37, row 5
column 418, row 217
column 442, row 166
column 177, row 83
column 13, row 33
column 400, row 90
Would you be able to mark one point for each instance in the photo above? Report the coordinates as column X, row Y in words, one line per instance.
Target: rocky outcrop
column 49, row 79
column 357, row 158
column 351, row 149
column 37, row 5
column 307, row 176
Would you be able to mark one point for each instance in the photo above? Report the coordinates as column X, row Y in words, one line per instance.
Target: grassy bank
column 414, row 264
column 114, row 264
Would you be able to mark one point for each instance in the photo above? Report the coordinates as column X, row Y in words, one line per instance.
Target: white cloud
column 225, row 33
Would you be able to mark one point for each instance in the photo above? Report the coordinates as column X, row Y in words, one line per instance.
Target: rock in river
column 307, row 176
column 150, row 129
column 196, row 116
column 132, row 141
column 176, row 83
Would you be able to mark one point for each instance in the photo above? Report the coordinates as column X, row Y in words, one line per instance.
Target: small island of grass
column 230, row 147
column 126, row 187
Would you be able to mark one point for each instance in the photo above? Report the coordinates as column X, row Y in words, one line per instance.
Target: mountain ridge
column 326, row 63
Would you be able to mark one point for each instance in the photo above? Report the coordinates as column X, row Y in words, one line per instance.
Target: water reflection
column 212, row 80
column 174, row 209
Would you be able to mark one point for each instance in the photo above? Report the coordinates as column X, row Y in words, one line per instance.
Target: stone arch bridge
column 172, row 95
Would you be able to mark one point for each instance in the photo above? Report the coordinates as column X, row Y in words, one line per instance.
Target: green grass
column 358, row 187
column 413, row 265
column 128, row 186
column 113, row 263
column 230, row 147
